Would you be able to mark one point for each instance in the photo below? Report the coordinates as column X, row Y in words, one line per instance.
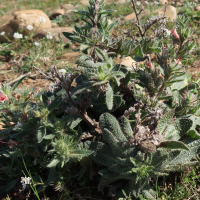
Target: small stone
column 162, row 2
column 132, row 16
column 56, row 13
column 67, row 7
column 197, row 8
column 55, row 33
column 128, row 62
column 170, row 12
column 85, row 2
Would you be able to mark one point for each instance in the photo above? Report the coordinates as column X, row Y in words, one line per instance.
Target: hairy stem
column 94, row 125
column 138, row 24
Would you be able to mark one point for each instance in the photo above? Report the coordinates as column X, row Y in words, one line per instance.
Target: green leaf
column 101, row 54
column 56, row 102
column 174, row 145
column 140, row 59
column 53, row 163
column 15, row 86
column 81, row 88
column 48, row 137
column 165, row 121
column 108, row 121
column 9, row 186
column 41, row 133
column 127, row 78
column 109, row 97
column 80, row 153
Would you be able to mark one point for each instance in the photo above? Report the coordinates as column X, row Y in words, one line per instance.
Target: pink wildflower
column 150, row 65
column 6, row 111
column 49, row 102
column 11, row 143
column 10, row 123
column 24, row 117
column 174, row 33
column 178, row 61
column 3, row 97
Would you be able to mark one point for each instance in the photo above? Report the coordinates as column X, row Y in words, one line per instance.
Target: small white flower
column 155, row 2
column 25, row 180
column 167, row 32
column 35, row 162
column 62, row 71
column 42, row 19
column 146, row 2
column 49, row 36
column 138, row 3
column 18, row 35
column 36, row 44
column 2, row 33
column 29, row 27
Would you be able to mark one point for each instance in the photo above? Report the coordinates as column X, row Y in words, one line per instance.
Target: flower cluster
column 29, row 27
column 2, row 33
column 18, row 35
column 138, row 3
column 62, row 71
column 25, row 181
column 42, row 19
column 36, row 43
column 49, row 36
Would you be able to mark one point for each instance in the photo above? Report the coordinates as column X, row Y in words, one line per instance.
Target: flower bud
column 3, row 97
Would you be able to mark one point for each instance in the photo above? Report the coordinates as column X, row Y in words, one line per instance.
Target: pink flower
column 3, row 97
column 10, row 123
column 6, row 111
column 174, row 33
column 24, row 117
column 178, row 61
column 49, row 102
column 11, row 143
column 150, row 65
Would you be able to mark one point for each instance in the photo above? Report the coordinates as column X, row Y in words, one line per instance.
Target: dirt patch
column 195, row 69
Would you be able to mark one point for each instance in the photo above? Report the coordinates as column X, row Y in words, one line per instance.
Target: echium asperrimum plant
column 154, row 104
column 136, row 124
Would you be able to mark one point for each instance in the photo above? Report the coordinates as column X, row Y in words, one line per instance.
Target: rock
column 54, row 25
column 132, row 16
column 170, row 12
column 67, row 7
column 197, row 8
column 162, row 2
column 56, row 13
column 33, row 18
column 179, row 4
column 21, row 20
column 128, row 62
column 55, row 32
column 85, row 2
column 7, row 30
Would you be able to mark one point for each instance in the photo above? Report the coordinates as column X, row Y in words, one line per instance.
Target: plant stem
column 138, row 24
column 94, row 125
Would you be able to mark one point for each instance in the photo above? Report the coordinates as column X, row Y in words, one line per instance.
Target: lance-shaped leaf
column 56, row 102
column 165, row 121
column 109, row 97
column 41, row 133
column 174, row 145
column 109, row 122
